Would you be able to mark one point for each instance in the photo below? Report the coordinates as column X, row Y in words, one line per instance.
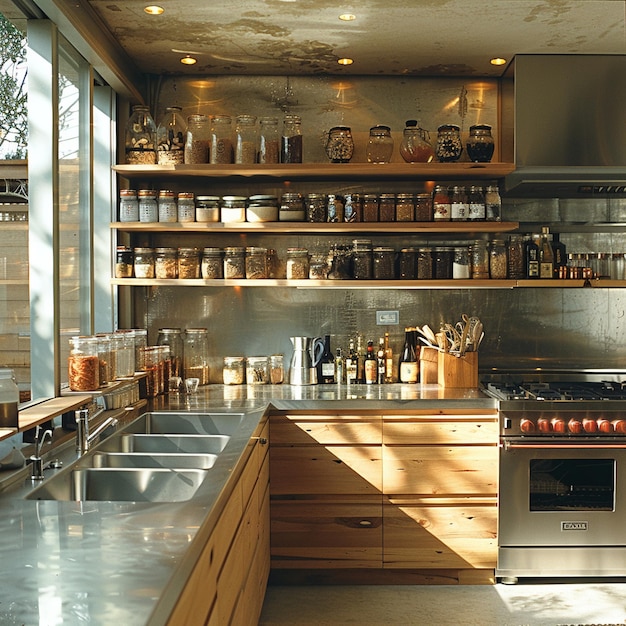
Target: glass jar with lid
column 221, row 144
column 233, row 209
column 143, row 266
column 424, row 207
column 318, row 266
column 129, row 206
column 123, row 343
column 168, row 211
column 291, row 208
column 442, row 262
column 387, row 207
column 198, row 139
column 186, row 207
column 379, row 144
column 461, row 263
column 83, row 364
column 497, row 259
column 140, row 342
column 424, row 264
column 405, row 207
column 269, row 144
column 234, row 370
column 291, row 141
column 370, row 207
column 459, row 207
column 173, row 338
column 124, row 262
column 277, row 369
column 353, row 207
column 141, row 137
column 407, row 263
column 340, row 144
column 480, row 260
column 245, row 139
column 476, row 203
column 196, row 354
column 257, row 370
column 493, row 204
column 262, row 208
column 212, row 263
column 234, row 262
column 207, row 209
column 316, row 207
column 188, row 263
column 442, row 205
column 297, row 263
column 171, row 132
column 148, row 207
column 415, row 146
column 384, row 261
column 104, row 358
column 256, row 263
column 165, row 263
column 480, row 145
column 362, row 259
column 515, row 257
column 449, row 147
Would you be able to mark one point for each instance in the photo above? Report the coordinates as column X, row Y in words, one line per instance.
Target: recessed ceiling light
column 345, row 61
column 347, row 17
column 153, row 9
column 498, row 61
column 188, row 60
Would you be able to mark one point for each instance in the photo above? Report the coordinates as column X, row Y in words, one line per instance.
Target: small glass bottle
column 144, row 262
column 379, row 144
column 221, row 144
column 188, row 263
column 141, row 137
column 459, row 207
column 196, row 354
column 480, row 144
column 493, row 204
column 148, row 207
column 353, row 208
column 416, row 146
column 441, row 204
column 291, row 140
column 246, row 139
column 297, row 263
column 171, row 133
column 340, row 144
column 269, row 144
column 165, row 265
column 197, row 141
column 212, row 264
column 449, row 147
column 173, row 338
column 234, row 262
column 168, row 211
column 83, row 364
column 129, row 206
column 476, row 202
column 186, row 207
column 497, row 259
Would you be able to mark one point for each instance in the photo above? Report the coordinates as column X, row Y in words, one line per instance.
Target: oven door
column 562, row 493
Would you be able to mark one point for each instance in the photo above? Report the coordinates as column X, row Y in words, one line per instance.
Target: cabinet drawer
column 445, row 535
column 435, row 429
column 325, row 470
column 439, row 470
column 338, row 429
column 326, row 534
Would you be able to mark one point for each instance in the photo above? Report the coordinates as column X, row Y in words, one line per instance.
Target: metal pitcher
column 307, row 352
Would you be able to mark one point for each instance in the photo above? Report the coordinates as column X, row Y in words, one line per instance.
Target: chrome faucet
column 35, row 459
column 84, row 438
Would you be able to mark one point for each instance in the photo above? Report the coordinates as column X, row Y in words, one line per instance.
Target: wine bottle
column 326, row 366
column 351, row 363
column 380, row 362
column 339, row 367
column 546, row 255
column 370, row 365
column 360, row 360
column 560, row 254
column 388, row 360
column 409, row 369
column 531, row 259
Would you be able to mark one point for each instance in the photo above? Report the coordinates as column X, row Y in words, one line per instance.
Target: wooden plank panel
column 440, row 430
column 340, row 429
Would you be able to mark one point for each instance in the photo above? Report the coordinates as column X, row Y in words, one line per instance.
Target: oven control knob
column 558, row 424
column 604, row 426
column 619, row 426
column 575, row 426
column 589, row 425
column 526, row 425
column 544, row 425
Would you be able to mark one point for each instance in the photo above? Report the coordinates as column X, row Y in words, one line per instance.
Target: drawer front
column 325, row 429
column 432, row 429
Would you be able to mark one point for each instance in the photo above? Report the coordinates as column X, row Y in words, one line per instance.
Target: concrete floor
column 524, row 604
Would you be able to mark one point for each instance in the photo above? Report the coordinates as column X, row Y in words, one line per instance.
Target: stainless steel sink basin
column 149, row 459
column 157, row 444
column 188, row 423
column 128, row 484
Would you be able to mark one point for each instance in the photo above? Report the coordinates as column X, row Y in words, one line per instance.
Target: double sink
column 159, row 457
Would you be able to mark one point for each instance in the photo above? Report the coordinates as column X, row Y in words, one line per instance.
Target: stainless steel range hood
column 566, row 114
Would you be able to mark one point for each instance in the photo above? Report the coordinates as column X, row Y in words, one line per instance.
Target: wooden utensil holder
column 429, row 368
column 458, row 372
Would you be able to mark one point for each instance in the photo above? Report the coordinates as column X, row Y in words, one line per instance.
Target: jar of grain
column 442, row 262
column 405, row 207
column 144, row 262
column 234, row 262
column 424, row 264
column 387, row 207
column 168, row 211
column 234, row 370
column 297, row 263
column 515, row 257
column 196, row 354
column 207, row 209
column 256, row 263
column 171, row 133
column 384, row 263
column 165, row 263
column 124, row 262
column 370, row 207
column 212, row 263
column 269, row 144
column 461, row 263
column 362, row 259
column 277, row 369
column 423, row 207
column 379, row 144
column 188, row 263
column 407, row 264
column 221, row 144
column 198, row 137
column 449, row 146
column 186, row 207
column 497, row 259
column 245, row 139
column 340, row 144
column 480, row 260
column 316, row 207
column 291, row 141
column 262, row 208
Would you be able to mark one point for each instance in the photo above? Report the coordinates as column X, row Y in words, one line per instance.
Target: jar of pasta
column 83, row 364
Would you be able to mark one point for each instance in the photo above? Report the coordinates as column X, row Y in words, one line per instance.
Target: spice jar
column 124, row 262
column 362, row 259
column 297, row 263
column 291, row 208
column 407, row 264
column 480, row 260
column 173, row 338
column 234, row 262
column 316, row 207
column 449, row 147
column 221, row 143
column 461, row 263
column 480, row 144
column 257, row 370
column 424, row 264
column 405, row 207
column 441, row 204
column 141, row 137
column 476, row 202
column 83, row 364
column 442, row 262
column 188, row 263
column 129, row 206
column 515, row 257
column 148, row 208
column 186, row 207
column 212, row 263
column 291, row 141
column 269, row 145
column 197, row 141
column 144, row 262
column 171, row 138
column 165, row 263
column 493, row 204
column 277, row 369
column 379, row 144
column 339, row 145
column 168, row 211
column 459, row 208
column 245, row 139
column 234, row 370
column 233, row 209
column 497, row 259
column 370, row 207
column 387, row 207
column 207, row 209
column 415, row 146
column 423, row 207
column 196, row 354
column 256, row 263
column 383, row 263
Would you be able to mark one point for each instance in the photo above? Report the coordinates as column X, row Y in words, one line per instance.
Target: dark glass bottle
column 408, row 367
column 326, row 366
column 546, row 255
column 380, row 362
column 351, row 363
column 559, row 253
column 531, row 258
column 339, row 367
column 370, row 365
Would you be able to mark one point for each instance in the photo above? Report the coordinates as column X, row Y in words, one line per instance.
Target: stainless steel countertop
column 126, row 563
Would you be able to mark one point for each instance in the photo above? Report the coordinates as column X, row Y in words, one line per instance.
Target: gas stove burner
column 559, row 391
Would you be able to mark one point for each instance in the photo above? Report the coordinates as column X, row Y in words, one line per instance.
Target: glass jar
column 234, row 370
column 339, row 145
column 316, row 207
column 165, row 263
column 493, row 204
column 173, row 338
column 297, row 263
column 129, row 206
column 262, row 208
column 379, row 144
column 245, row 139
column 405, row 207
column 424, row 207
column 124, row 262
column 104, row 358
column 352, row 208
column 234, row 262
column 256, row 263
column 196, row 354
column 449, row 147
column 515, row 257
column 168, row 211
column 153, row 375
column 291, row 208
column 459, row 207
column 362, row 259
column 257, row 370
column 83, row 364
column 140, row 341
column 461, row 263
column 334, row 208
column 407, row 264
column 387, row 207
column 221, row 143
column 277, row 369
column 480, row 260
column 148, row 207
column 269, row 144
column 123, row 343
column 424, row 264
column 442, row 262
column 441, row 204
column 273, row 264
column 497, row 259
column 341, row 263
column 188, row 263
column 141, row 137
column 383, row 263
column 291, row 141
column 370, row 207
column 480, row 144
column 186, row 207
column 233, row 209
column 9, row 399
column 318, row 266
column 171, row 133
column 476, row 202
column 416, row 146
column 212, row 263
column 207, row 209
column 143, row 266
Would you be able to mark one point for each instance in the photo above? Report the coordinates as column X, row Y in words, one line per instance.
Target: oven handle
column 561, row 446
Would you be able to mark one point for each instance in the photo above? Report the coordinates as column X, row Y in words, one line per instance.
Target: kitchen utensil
column 307, row 352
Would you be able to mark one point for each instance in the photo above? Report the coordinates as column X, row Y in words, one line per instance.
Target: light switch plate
column 387, row 318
